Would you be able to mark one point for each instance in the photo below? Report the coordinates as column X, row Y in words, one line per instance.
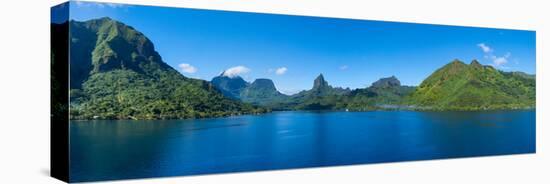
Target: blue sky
column 293, row 50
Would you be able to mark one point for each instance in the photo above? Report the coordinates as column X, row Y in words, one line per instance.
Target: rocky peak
column 320, row 82
column 387, row 82
column 476, row 64
column 263, row 84
column 229, row 86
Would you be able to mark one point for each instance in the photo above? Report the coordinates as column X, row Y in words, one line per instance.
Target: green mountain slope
column 117, row 74
column 458, row 86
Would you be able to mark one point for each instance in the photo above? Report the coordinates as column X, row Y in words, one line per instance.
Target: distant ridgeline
column 115, row 73
column 455, row 86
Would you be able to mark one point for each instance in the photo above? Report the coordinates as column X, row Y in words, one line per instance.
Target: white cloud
column 98, row 4
column 497, row 61
column 235, row 71
column 187, row 68
column 88, row 4
column 281, row 71
column 343, row 67
column 485, row 48
column 115, row 5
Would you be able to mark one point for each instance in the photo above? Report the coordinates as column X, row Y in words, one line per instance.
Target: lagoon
column 125, row 149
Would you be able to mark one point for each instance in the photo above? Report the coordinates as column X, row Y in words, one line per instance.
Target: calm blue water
column 102, row 150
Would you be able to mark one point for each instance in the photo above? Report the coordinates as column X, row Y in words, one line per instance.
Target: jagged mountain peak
column 475, row 63
column 320, row 82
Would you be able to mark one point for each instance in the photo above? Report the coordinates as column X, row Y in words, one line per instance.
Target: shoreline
column 311, row 111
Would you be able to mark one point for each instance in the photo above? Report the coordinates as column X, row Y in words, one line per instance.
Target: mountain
column 321, row 96
column 321, row 88
column 388, row 82
column 262, row 92
column 230, row 86
column 459, row 86
column 115, row 73
column 320, row 84
column 385, row 93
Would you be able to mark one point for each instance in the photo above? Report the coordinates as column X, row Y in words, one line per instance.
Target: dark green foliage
column 458, row 86
column 125, row 94
column 118, row 75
